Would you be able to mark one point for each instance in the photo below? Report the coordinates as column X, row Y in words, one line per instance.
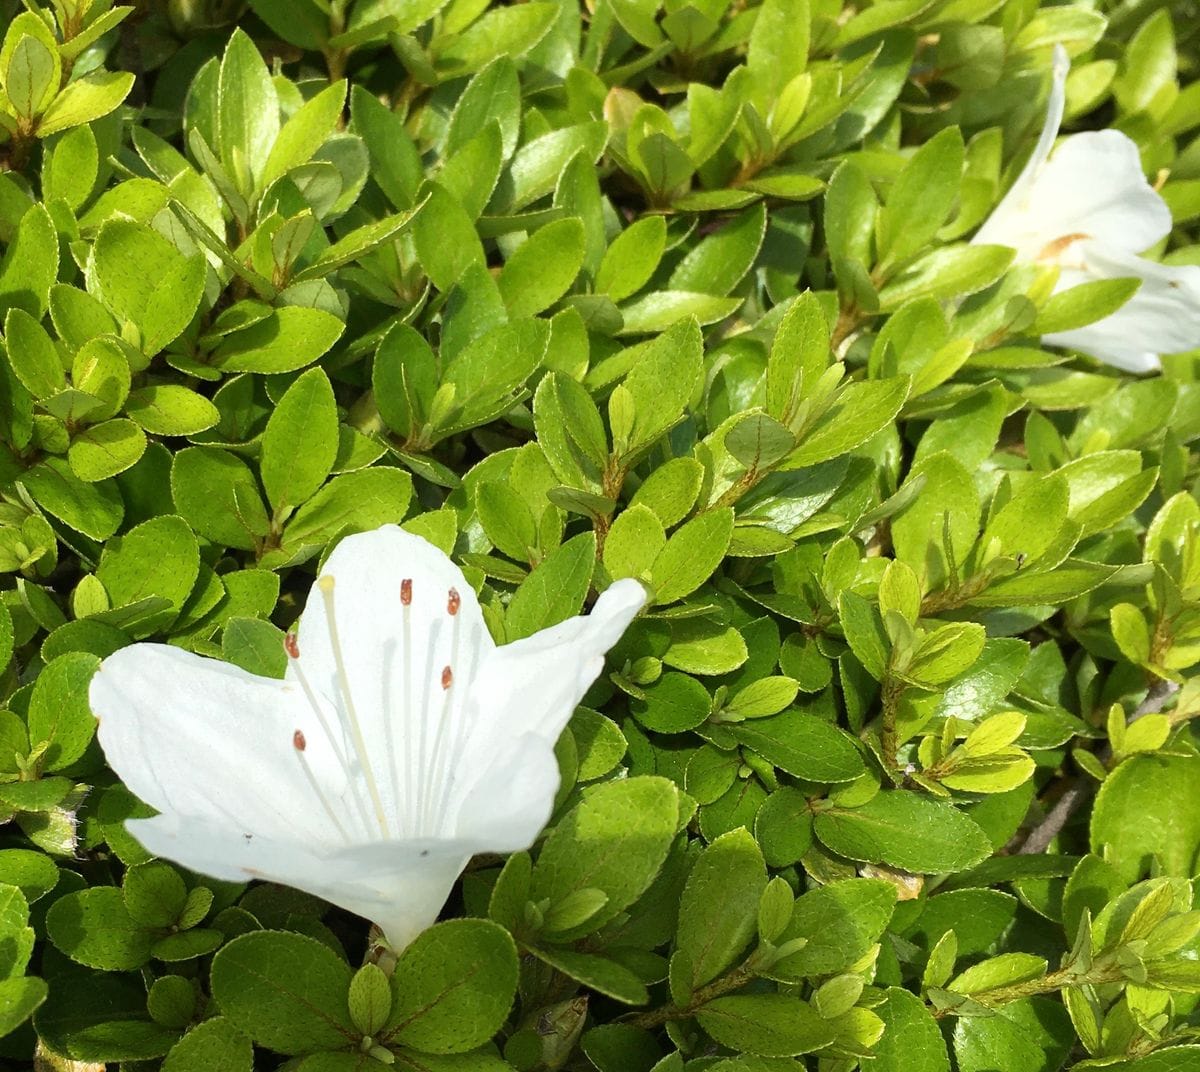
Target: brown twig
column 1039, row 838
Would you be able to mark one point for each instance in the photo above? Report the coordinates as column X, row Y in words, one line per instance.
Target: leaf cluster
column 677, row 290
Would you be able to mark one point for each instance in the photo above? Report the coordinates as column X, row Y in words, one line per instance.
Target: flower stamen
column 299, row 744
column 429, row 784
column 410, row 774
column 325, row 584
column 422, row 771
column 460, row 734
column 292, row 646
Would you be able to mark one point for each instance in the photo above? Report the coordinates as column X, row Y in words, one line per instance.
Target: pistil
column 326, row 584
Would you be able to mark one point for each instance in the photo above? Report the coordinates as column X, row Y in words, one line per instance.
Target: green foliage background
column 674, row 291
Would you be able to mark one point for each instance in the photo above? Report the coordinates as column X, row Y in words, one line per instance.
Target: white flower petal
column 1005, row 224
column 534, row 685
column 207, row 739
column 1162, row 317
column 1094, row 185
column 508, row 805
column 401, row 886
column 523, row 696
column 394, row 656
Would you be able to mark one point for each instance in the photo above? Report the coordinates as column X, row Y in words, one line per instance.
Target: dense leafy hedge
column 895, row 768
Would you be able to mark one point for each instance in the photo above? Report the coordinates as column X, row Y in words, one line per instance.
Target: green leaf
column 154, row 893
column 691, row 555
column 20, row 998
column 101, row 1018
column 799, row 354
column 357, row 244
column 29, row 872
column 615, row 841
column 506, row 31
column 803, row 745
column 839, row 923
column 395, row 162
column 717, row 264
column 535, row 168
column 59, row 715
column 95, row 510
column 85, row 100
column 32, row 355
column 33, row 76
column 247, row 112
column 370, row 999
column 300, row 441
column 921, row 198
column 703, row 646
column 301, row 23
column 30, row 264
column 506, row 519
column 285, row 991
column 1084, row 304
column 352, row 502
column 95, row 928
column 445, row 236
column 453, row 987
column 945, row 273
column 217, row 494
column 674, row 703
column 212, row 1044
column 542, row 269
column 161, row 297
column 779, row 43
column 770, row 1025
column 493, row 95
column 865, row 633
column 555, row 590
column 158, row 559
column 285, row 340
column 488, row 375
column 304, row 132
column 858, row 412
column 598, row 973
column 904, row 830
column 911, row 1040
column 718, row 913
column 104, row 450
column 171, row 410
column 634, row 541
column 783, row 827
column 405, row 378
column 1145, row 809
column 630, row 260
column 659, row 310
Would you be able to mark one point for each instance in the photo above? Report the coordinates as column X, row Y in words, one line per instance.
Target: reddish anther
column 453, row 602
column 406, row 591
column 298, row 741
column 291, row 645
column 447, row 677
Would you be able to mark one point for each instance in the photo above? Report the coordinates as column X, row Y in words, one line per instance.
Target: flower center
column 420, row 771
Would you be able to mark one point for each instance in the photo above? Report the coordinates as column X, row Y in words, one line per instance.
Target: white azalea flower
column 401, row 742
column 1089, row 209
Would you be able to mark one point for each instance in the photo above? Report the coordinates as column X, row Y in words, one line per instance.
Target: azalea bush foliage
column 896, row 768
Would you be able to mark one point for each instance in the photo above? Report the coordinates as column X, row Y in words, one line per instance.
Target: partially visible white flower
column 1089, row 209
column 401, row 742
